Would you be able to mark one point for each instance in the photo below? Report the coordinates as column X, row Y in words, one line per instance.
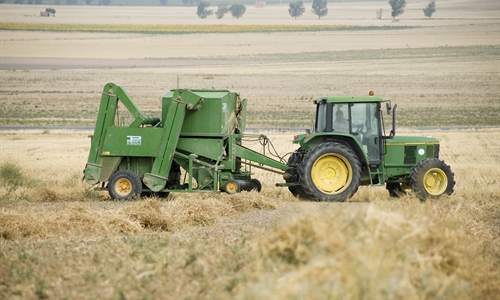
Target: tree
column 319, row 8
column 164, row 2
column 104, row 2
column 398, row 7
column 221, row 11
column 190, row 2
column 71, row 2
column 237, row 10
column 88, row 2
column 202, row 11
column 430, row 9
column 296, row 9
column 19, row 2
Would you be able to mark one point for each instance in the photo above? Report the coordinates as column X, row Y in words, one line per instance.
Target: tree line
column 296, row 9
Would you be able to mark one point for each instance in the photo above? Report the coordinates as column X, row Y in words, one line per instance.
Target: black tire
column 231, row 187
column 296, row 190
column 431, row 178
column 330, row 172
column 124, row 185
column 155, row 194
column 256, row 185
column 396, row 189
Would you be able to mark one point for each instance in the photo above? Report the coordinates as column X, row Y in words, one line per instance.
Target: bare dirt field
column 58, row 239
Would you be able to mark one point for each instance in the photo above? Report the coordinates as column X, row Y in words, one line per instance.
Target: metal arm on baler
column 111, row 94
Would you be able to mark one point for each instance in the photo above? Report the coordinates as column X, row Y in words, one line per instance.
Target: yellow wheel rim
column 331, row 173
column 123, row 187
column 232, row 187
column 435, row 181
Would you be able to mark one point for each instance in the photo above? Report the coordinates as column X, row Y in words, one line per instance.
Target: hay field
column 58, row 239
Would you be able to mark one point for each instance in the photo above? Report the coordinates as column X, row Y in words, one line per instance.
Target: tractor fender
column 345, row 139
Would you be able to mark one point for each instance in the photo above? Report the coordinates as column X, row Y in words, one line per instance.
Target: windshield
column 321, row 117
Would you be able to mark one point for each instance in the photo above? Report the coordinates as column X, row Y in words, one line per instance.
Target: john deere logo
column 134, row 140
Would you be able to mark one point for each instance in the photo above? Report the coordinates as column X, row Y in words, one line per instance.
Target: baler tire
column 330, row 172
column 231, row 187
column 256, row 185
column 124, row 185
column 296, row 190
column 431, row 178
column 155, row 194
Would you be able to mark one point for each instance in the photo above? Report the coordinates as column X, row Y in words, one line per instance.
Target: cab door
column 365, row 126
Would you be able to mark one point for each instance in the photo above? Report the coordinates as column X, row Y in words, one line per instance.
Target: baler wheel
column 124, row 185
column 155, row 194
column 330, row 172
column 232, row 187
column 431, row 178
column 256, row 185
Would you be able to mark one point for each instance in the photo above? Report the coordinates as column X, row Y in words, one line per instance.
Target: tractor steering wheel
column 359, row 128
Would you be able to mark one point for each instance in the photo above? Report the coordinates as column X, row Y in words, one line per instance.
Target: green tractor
column 349, row 148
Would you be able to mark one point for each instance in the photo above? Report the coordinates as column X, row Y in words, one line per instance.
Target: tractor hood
column 412, row 140
column 410, row 149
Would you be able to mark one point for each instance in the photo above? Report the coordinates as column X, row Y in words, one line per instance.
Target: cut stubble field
column 58, row 239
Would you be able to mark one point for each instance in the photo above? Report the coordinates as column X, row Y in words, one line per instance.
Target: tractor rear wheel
column 124, row 185
column 431, row 178
column 296, row 190
column 330, row 172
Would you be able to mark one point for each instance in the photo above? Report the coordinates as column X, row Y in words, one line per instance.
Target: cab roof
column 350, row 99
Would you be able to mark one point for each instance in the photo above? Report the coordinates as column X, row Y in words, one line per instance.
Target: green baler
column 200, row 132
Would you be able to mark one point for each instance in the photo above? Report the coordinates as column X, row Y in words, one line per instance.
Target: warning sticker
column 134, row 140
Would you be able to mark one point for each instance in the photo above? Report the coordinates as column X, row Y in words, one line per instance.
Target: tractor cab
column 356, row 122
column 353, row 116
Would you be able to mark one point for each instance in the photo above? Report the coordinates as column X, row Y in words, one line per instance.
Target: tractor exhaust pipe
column 393, row 130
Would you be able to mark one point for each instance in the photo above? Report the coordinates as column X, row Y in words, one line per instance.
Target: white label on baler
column 134, row 140
column 224, row 107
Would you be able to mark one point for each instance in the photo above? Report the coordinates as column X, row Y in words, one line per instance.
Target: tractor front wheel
column 124, row 185
column 330, row 172
column 431, row 178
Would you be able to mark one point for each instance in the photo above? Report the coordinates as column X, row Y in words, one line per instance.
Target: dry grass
column 74, row 220
column 58, row 239
column 388, row 250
